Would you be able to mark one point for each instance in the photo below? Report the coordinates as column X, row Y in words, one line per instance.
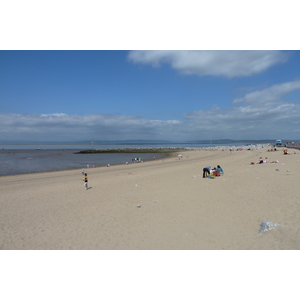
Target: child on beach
column 85, row 179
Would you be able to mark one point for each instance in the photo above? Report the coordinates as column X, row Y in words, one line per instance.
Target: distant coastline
column 165, row 143
column 91, row 145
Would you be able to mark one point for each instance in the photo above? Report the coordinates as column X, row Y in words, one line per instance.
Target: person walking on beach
column 86, row 181
column 206, row 171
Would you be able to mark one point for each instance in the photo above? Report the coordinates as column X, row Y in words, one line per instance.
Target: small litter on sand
column 277, row 170
column 138, row 206
column 267, row 225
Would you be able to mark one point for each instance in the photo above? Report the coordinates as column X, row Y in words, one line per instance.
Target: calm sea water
column 23, row 159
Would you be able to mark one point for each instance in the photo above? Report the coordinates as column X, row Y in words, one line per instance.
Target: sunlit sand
column 163, row 204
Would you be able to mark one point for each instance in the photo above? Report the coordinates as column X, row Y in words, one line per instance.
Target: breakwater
column 133, row 150
column 171, row 149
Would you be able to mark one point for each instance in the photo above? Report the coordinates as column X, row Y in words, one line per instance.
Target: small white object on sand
column 267, row 225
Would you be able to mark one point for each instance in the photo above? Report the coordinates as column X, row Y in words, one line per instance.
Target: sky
column 177, row 95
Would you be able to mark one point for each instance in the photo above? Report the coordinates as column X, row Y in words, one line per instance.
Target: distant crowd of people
column 136, row 159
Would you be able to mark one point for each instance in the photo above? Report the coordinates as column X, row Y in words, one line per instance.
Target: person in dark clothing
column 206, row 171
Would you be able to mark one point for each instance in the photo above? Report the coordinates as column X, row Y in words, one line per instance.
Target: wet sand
column 178, row 208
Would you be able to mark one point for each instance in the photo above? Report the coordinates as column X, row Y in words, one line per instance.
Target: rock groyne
column 172, row 149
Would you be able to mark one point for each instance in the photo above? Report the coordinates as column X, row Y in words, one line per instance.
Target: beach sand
column 178, row 208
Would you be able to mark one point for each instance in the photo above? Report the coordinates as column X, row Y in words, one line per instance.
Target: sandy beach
column 163, row 205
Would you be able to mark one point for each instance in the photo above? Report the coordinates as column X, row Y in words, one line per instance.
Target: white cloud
column 229, row 63
column 258, row 115
column 269, row 96
column 261, row 114
column 62, row 127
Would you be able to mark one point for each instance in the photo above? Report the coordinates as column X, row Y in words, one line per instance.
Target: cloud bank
column 62, row 127
column 215, row 63
column 261, row 114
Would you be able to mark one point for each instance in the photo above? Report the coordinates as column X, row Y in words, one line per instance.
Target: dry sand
column 179, row 209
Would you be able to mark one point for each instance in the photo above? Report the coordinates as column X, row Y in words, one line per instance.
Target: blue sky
column 165, row 95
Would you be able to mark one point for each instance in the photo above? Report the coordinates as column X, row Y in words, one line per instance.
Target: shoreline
column 168, row 151
column 25, row 161
column 171, row 155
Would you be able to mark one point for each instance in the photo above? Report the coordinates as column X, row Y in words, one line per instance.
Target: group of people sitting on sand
column 209, row 172
column 286, row 152
column 264, row 161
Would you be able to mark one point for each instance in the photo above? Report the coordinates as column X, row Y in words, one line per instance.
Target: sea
column 34, row 158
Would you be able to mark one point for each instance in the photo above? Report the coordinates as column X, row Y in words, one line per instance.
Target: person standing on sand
column 206, row 171
column 86, row 181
